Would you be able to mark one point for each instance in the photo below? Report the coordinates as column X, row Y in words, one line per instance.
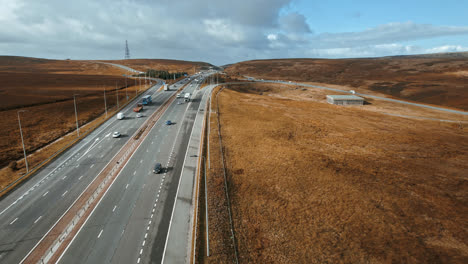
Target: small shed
column 345, row 100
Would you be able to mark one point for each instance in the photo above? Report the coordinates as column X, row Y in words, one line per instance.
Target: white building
column 345, row 100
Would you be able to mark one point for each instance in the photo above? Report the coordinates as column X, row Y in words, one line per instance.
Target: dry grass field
column 312, row 182
column 44, row 90
column 434, row 79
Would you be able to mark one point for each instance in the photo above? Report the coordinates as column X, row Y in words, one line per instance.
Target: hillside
column 439, row 79
column 311, row 182
column 163, row 64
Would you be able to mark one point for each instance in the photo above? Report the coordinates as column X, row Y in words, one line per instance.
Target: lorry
column 187, row 97
column 166, row 87
column 146, row 100
column 138, row 108
column 120, row 116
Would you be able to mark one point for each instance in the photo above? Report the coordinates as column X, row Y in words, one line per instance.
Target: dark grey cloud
column 294, row 23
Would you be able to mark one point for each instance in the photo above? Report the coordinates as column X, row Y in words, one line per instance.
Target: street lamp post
column 117, row 92
column 22, row 141
column 105, row 103
column 76, row 116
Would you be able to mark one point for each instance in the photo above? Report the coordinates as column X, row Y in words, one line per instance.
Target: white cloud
column 447, row 48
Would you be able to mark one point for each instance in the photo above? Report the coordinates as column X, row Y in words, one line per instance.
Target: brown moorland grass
column 434, row 79
column 317, row 183
column 46, row 123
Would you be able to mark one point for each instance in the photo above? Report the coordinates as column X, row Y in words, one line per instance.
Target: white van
column 120, row 116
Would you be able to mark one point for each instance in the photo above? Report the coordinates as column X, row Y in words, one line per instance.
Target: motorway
column 29, row 212
column 131, row 223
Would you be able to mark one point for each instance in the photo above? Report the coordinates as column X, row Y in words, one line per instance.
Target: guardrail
column 58, row 236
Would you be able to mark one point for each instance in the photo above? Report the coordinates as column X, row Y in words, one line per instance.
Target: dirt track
column 439, row 80
column 317, row 183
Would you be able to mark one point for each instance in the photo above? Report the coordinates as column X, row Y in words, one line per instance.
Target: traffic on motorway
column 29, row 212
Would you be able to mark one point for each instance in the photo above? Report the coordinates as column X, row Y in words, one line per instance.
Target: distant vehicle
column 179, row 102
column 168, row 122
column 166, row 87
column 147, row 100
column 138, row 108
column 178, row 95
column 187, row 97
column 116, row 134
column 352, row 91
column 139, row 115
column 157, row 168
column 120, row 116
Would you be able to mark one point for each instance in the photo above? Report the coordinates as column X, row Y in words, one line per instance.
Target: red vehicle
column 138, row 108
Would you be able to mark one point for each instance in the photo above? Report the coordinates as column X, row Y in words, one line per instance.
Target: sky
column 226, row 31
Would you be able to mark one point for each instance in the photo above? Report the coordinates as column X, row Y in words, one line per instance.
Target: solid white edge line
column 102, row 197
column 177, row 193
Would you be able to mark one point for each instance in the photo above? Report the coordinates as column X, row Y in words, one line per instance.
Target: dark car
column 168, row 122
column 157, row 168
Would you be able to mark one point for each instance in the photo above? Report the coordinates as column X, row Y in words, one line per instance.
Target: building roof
column 345, row 97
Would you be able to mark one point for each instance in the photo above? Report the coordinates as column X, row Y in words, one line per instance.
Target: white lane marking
column 38, row 219
column 149, row 222
column 141, row 251
column 108, row 135
column 91, row 166
column 138, row 261
column 134, row 172
column 143, row 244
column 80, row 177
column 141, row 161
column 146, row 151
column 146, row 235
column 64, row 177
column 98, row 236
column 91, row 147
column 152, row 215
column 13, row 221
column 115, row 206
column 64, row 193
column 126, row 186
column 147, row 228
column 45, row 193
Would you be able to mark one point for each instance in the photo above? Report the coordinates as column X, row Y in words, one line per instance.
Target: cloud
column 294, row 23
column 219, row 31
column 388, row 33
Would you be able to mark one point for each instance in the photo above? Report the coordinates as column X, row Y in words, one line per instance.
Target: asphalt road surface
column 28, row 212
column 131, row 222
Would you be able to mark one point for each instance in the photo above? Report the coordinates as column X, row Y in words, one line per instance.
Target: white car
column 139, row 115
column 116, row 134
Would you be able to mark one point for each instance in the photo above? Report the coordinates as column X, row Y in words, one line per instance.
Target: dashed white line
column 126, row 186
column 115, row 206
column 138, row 261
column 80, row 177
column 45, row 193
column 146, row 235
column 100, row 233
column 64, row 193
column 141, row 161
column 91, row 166
column 134, row 172
column 143, row 244
column 13, row 221
column 38, row 219
column 141, row 251
column 152, row 215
